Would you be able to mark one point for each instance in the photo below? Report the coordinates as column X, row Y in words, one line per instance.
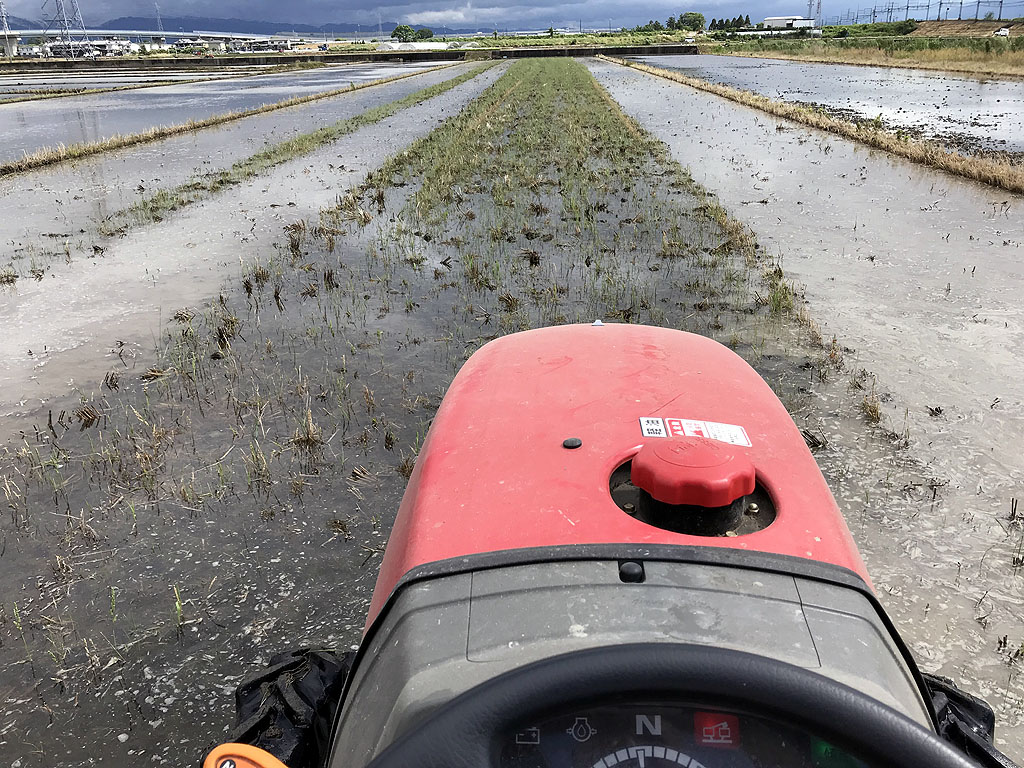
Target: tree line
column 687, row 21
column 406, row 34
column 726, row 24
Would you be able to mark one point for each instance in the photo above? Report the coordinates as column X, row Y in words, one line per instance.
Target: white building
column 9, row 45
column 114, row 46
column 418, row 46
column 270, row 44
column 788, row 22
column 191, row 44
column 72, row 49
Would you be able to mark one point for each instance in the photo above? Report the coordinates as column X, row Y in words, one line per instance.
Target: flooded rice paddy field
column 156, row 699
column 20, row 82
column 258, row 370
column 139, row 274
column 965, row 112
column 61, row 208
column 31, row 125
column 918, row 275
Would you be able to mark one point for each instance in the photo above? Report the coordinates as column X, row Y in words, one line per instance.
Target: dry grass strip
column 998, row 172
column 61, row 153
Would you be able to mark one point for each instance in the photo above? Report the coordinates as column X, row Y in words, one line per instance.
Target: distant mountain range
column 191, row 23
column 16, row 22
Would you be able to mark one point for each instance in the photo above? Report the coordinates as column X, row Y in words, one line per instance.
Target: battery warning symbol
column 528, row 736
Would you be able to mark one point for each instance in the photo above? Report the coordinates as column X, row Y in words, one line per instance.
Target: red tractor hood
column 495, row 472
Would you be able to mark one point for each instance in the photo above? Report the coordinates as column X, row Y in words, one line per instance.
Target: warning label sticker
column 653, row 427
column 733, row 434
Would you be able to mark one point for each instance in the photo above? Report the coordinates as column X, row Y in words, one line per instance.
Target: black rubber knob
column 631, row 572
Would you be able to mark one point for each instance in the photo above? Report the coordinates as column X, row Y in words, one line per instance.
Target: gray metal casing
column 442, row 636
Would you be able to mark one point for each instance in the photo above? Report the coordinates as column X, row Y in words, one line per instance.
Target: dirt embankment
column 965, row 28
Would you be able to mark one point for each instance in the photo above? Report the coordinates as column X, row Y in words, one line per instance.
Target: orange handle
column 241, row 756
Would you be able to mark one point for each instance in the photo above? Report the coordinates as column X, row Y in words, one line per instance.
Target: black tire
column 288, row 708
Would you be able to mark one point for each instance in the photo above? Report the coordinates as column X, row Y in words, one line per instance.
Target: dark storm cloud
column 485, row 13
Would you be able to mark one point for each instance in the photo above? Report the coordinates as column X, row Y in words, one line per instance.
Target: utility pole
column 1000, row 16
column 7, row 30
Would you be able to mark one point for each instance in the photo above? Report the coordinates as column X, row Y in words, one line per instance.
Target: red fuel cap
column 693, row 470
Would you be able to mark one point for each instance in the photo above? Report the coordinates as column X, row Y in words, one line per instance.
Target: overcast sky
column 486, row 13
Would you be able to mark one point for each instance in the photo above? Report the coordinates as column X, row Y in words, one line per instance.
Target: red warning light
column 713, row 729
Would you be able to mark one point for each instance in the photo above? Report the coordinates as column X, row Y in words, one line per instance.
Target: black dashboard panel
column 659, row 735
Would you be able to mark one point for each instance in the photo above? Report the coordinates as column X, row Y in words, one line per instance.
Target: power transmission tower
column 159, row 21
column 59, row 23
column 77, row 20
column 7, row 29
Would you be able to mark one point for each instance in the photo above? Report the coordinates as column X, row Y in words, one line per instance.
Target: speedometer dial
column 646, row 756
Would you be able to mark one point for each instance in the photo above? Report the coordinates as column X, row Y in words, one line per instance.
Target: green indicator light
column 824, row 755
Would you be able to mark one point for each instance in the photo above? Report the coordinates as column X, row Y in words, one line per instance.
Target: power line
column 933, row 9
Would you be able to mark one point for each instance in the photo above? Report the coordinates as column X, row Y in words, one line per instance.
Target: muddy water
column 257, row 575
column 28, row 126
column 919, row 275
column 196, row 592
column 116, row 300
column 22, row 81
column 59, row 207
column 977, row 112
